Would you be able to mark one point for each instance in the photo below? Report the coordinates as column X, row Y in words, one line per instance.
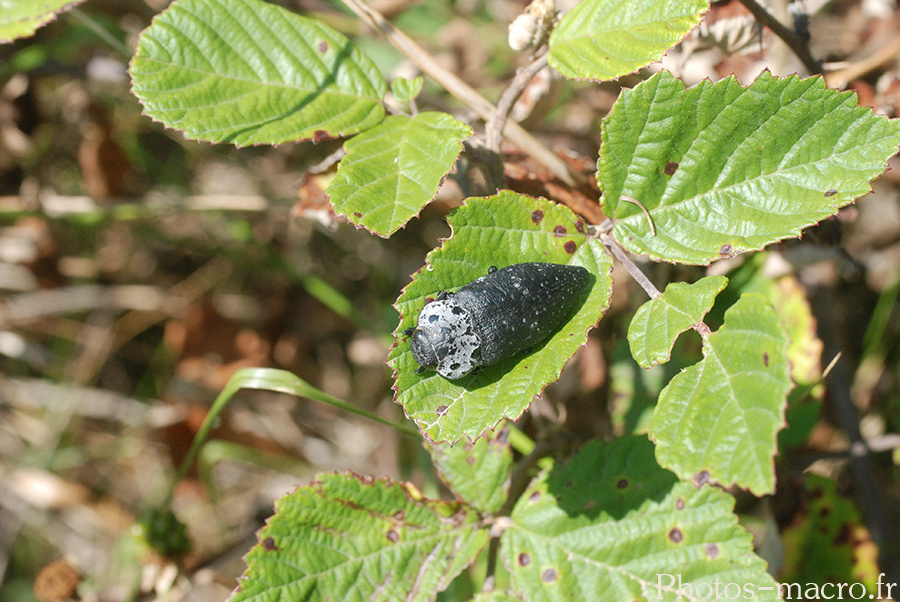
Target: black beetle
column 495, row 317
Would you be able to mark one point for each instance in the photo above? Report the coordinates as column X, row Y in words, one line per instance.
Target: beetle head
column 423, row 350
column 444, row 340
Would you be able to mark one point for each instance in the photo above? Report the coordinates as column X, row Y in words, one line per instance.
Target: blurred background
column 140, row 270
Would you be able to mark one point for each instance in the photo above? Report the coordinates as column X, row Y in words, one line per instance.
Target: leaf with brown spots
column 499, row 231
column 722, row 414
column 347, row 537
column 723, row 168
column 828, row 542
column 596, row 540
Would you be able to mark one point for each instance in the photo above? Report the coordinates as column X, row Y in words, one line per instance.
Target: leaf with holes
column 658, row 322
column 478, row 473
column 612, row 525
column 719, row 419
column 502, row 230
column 21, row 18
column 722, row 168
column 249, row 72
column 391, row 171
column 605, row 39
column 347, row 537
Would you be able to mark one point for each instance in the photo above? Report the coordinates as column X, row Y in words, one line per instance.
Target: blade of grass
column 268, row 379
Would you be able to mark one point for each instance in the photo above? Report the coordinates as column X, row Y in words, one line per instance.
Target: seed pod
column 495, row 317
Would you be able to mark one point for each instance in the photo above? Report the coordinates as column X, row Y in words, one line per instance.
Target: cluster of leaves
column 572, row 535
column 687, row 175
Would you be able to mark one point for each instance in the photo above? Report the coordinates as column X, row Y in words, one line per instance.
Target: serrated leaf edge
column 419, row 212
column 397, row 333
column 799, row 231
column 697, row 16
column 46, row 19
column 411, row 492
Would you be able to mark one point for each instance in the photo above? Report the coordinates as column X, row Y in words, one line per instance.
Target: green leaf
column 393, row 170
column 406, row 90
column 348, row 537
column 21, row 18
column 604, row 39
column 501, row 230
column 249, row 72
column 611, row 525
column 478, row 473
column 497, row 596
column 658, row 322
column 718, row 419
column 789, row 298
column 723, row 169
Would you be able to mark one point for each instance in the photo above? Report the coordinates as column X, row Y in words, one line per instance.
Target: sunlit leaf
column 391, row 171
column 658, row 322
column 406, row 90
column 612, row 525
column 497, row 231
column 348, row 537
column 718, row 420
column 21, row 18
column 604, row 39
column 250, row 72
column 789, row 299
column 722, row 168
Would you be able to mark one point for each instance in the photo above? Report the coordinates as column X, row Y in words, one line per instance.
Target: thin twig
column 841, row 77
column 512, row 93
column 465, row 93
column 613, row 247
column 797, row 44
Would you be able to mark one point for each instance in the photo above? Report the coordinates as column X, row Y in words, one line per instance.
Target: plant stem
column 496, row 123
column 841, row 77
column 797, row 44
column 613, row 247
column 462, row 91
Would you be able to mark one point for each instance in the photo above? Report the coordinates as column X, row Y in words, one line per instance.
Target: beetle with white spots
column 495, row 317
